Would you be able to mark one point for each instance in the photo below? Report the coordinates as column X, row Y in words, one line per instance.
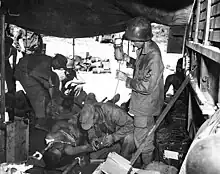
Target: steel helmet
column 138, row 29
column 62, row 60
column 204, row 157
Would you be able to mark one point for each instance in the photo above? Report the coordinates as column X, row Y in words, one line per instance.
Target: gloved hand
column 95, row 144
column 108, row 140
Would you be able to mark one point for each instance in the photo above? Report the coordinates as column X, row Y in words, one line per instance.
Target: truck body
column 201, row 51
column 202, row 56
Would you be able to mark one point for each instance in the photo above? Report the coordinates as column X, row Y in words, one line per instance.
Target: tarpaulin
column 84, row 18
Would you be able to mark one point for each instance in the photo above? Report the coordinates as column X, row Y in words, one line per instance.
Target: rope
column 116, row 88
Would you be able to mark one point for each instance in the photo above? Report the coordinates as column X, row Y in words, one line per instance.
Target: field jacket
column 112, row 120
column 34, row 69
column 147, row 83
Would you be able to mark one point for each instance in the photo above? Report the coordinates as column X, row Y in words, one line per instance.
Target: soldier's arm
column 125, row 122
column 42, row 73
column 121, row 119
column 152, row 73
column 91, row 134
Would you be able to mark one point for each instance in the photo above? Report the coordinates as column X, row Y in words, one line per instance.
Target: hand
column 95, row 144
column 78, row 89
column 126, row 58
column 108, row 140
column 121, row 75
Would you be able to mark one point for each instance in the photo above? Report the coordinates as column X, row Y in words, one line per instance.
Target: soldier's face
column 179, row 68
column 138, row 44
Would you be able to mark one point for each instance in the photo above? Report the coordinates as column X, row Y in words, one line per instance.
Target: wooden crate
column 214, row 34
column 15, row 143
column 2, row 146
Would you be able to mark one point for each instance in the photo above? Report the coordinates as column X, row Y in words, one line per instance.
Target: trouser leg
column 39, row 98
column 142, row 127
column 9, row 78
column 128, row 146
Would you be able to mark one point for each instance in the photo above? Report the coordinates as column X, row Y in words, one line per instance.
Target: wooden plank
column 214, row 36
column 17, row 141
column 202, row 25
column 2, row 146
column 201, row 34
column 215, row 22
column 208, row 15
column 202, row 16
column 194, row 19
column 212, row 22
column 197, row 21
column 215, row 10
column 219, row 90
column 215, row 1
column 194, row 25
column 193, row 34
column 194, row 28
column 190, row 29
column 203, row 6
column 210, row 52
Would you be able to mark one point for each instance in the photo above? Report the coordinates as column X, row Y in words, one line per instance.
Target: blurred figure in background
column 175, row 79
column 34, row 72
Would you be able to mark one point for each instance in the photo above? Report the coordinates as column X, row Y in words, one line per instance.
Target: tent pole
column 128, row 51
column 73, row 66
column 2, row 64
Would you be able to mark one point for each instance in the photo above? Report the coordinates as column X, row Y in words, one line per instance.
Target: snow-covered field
column 103, row 85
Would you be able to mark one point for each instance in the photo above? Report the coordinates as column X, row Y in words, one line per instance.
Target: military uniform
column 33, row 72
column 147, row 95
column 9, row 51
column 111, row 120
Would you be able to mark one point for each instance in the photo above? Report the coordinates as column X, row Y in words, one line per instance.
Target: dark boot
column 115, row 99
column 128, row 147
